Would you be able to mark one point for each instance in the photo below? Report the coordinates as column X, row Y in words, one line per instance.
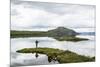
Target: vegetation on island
column 70, row 38
column 60, row 33
column 58, row 55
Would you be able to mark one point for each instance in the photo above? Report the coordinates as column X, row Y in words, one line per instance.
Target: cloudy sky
column 30, row 15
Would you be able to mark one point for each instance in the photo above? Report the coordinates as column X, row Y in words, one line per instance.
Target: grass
column 70, row 38
column 60, row 55
column 16, row 34
column 70, row 57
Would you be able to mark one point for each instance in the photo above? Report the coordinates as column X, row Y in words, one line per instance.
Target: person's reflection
column 36, row 55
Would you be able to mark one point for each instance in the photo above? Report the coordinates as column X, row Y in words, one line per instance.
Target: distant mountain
column 62, row 31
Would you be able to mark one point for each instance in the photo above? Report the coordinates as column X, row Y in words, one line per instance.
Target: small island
column 60, row 34
column 59, row 55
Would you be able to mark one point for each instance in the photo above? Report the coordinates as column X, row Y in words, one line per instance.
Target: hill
column 62, row 31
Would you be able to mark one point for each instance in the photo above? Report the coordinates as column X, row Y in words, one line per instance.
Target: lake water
column 86, row 48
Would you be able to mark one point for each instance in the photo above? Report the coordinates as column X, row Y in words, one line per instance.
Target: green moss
column 70, row 38
column 60, row 55
column 70, row 57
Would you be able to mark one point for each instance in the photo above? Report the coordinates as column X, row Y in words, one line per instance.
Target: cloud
column 31, row 15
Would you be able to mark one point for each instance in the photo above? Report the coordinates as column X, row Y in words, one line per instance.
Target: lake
column 86, row 48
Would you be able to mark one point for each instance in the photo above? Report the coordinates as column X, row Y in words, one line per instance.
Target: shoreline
column 62, row 56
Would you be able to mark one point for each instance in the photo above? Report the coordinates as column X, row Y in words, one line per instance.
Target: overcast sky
column 39, row 15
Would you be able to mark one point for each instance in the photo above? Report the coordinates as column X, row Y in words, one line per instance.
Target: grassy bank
column 70, row 38
column 60, row 55
column 16, row 34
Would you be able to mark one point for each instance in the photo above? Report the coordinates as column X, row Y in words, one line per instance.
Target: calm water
column 83, row 47
column 86, row 48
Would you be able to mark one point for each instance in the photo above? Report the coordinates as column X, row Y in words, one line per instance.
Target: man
column 36, row 43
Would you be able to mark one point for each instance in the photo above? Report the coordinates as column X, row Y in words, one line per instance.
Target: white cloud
column 24, row 17
column 31, row 17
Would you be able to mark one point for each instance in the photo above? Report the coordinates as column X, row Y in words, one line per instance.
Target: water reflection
column 36, row 55
column 52, row 59
column 83, row 47
column 31, row 59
